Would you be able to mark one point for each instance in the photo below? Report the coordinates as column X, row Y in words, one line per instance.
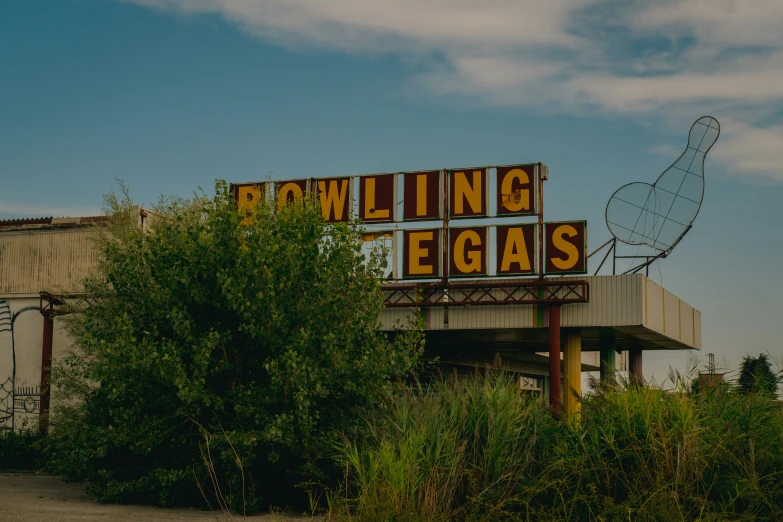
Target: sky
column 169, row 95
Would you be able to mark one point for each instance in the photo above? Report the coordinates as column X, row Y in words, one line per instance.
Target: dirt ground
column 34, row 498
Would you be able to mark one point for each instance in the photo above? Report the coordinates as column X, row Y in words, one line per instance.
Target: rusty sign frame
column 530, row 291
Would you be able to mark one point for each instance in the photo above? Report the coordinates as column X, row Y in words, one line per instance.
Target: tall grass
column 455, row 449
column 478, row 449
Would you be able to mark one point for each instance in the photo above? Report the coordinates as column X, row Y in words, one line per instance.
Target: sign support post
column 46, row 371
column 555, row 394
column 635, row 365
column 572, row 372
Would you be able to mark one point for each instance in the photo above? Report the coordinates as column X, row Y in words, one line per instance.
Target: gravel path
column 34, row 498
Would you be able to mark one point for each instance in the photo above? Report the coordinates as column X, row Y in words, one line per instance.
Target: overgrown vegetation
column 756, row 376
column 21, row 452
column 236, row 359
column 221, row 356
column 478, row 450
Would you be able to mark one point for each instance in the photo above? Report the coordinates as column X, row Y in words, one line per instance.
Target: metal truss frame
column 537, row 291
column 52, row 305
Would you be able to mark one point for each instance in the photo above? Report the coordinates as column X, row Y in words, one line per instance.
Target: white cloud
column 667, row 61
column 753, row 150
column 387, row 25
column 717, row 24
column 645, row 94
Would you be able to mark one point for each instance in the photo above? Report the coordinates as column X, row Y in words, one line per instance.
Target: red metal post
column 635, row 366
column 555, row 394
column 46, row 370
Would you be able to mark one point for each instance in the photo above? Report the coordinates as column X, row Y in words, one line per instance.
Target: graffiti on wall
column 19, row 402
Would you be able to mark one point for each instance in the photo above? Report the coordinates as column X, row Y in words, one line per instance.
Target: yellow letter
column 417, row 252
column 564, row 246
column 288, row 189
column 520, row 199
column 466, row 190
column 370, row 212
column 333, row 198
column 475, row 255
column 421, row 195
column 515, row 251
column 247, row 198
column 249, row 195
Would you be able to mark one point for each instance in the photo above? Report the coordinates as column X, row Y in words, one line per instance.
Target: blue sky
column 170, row 94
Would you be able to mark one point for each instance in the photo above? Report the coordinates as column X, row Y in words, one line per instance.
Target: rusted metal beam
column 635, row 366
column 46, row 372
column 51, row 304
column 555, row 392
column 534, row 291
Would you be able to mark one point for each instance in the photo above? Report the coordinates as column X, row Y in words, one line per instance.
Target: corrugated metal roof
column 25, row 221
column 55, row 259
column 49, row 222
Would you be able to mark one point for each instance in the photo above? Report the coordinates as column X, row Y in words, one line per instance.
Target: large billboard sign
column 445, row 224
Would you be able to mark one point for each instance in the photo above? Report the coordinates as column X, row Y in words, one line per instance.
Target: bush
column 756, row 376
column 21, row 451
column 222, row 353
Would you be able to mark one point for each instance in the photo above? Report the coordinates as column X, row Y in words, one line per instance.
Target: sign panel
column 335, row 197
column 421, row 253
column 468, row 251
column 516, row 249
column 516, row 190
column 247, row 196
column 248, row 193
column 468, row 193
column 422, row 195
column 376, row 198
column 565, row 247
column 435, row 195
column 290, row 191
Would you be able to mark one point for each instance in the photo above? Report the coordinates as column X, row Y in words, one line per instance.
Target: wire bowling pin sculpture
column 658, row 215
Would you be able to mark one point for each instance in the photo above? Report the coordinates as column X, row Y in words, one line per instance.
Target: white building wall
column 26, row 350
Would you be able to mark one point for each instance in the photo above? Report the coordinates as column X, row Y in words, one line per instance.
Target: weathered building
column 41, row 254
column 620, row 314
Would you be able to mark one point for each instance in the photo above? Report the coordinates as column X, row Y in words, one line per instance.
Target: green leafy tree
column 223, row 357
column 756, row 376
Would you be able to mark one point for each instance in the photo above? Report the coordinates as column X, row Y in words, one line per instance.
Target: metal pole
column 614, row 257
column 604, row 259
column 46, row 370
column 445, row 243
column 635, row 366
column 540, row 197
column 572, row 372
column 445, row 239
column 608, row 363
column 540, row 249
column 555, row 394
